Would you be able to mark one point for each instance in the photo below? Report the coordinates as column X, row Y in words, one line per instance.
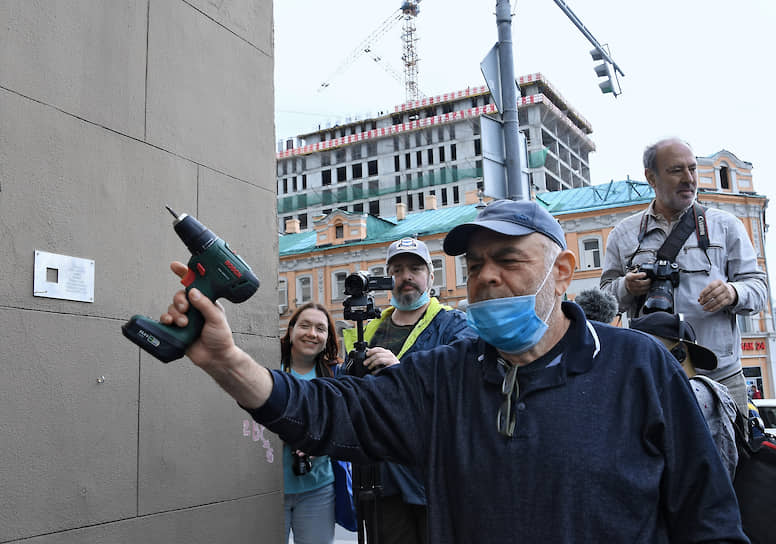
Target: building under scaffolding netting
column 391, row 163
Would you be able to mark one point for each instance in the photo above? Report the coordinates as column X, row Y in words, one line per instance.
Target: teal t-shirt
column 320, row 475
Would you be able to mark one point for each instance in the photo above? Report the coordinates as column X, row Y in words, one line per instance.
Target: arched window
column 724, row 177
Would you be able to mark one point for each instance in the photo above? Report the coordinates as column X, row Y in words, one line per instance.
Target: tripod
column 368, row 489
column 367, row 485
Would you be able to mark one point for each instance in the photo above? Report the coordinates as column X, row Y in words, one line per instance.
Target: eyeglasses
column 506, row 418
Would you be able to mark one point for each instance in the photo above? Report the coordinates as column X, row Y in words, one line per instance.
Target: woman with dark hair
column 309, row 350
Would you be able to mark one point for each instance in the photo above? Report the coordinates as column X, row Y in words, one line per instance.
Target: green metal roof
column 290, row 244
column 431, row 221
column 385, row 230
column 377, row 226
column 614, row 194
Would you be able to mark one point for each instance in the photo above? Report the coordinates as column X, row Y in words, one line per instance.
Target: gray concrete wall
column 108, row 112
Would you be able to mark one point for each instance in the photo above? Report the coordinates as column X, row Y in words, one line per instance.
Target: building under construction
column 427, row 147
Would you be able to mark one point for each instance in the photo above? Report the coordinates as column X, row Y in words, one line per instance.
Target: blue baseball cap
column 510, row 217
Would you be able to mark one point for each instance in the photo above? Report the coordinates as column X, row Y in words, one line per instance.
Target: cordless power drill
column 215, row 270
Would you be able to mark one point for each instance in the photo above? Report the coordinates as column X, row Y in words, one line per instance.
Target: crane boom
column 365, row 46
column 406, row 13
column 400, row 78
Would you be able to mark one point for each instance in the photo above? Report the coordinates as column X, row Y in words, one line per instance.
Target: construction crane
column 410, row 57
column 406, row 14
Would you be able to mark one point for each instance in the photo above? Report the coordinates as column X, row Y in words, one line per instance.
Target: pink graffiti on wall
column 256, row 432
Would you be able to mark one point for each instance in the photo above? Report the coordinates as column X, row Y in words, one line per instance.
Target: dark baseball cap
column 673, row 327
column 510, row 217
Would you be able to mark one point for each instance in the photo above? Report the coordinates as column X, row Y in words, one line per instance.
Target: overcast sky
column 702, row 70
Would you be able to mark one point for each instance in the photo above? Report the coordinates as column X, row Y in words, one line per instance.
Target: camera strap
column 695, row 221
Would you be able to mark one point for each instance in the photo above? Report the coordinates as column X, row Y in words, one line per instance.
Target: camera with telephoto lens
column 302, row 464
column 665, row 277
column 360, row 306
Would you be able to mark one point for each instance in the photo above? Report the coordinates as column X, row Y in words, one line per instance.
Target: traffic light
column 602, row 70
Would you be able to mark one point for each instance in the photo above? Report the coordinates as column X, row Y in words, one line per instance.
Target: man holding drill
column 414, row 322
column 543, row 429
column 716, row 266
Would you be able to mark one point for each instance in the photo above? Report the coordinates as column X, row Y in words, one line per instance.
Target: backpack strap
column 695, row 221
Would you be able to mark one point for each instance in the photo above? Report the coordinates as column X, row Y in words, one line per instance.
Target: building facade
column 108, row 112
column 314, row 264
column 428, row 147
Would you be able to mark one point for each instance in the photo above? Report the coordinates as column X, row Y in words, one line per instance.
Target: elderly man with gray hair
column 546, row 428
column 680, row 257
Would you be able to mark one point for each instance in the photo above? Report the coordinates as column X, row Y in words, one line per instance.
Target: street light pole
column 516, row 188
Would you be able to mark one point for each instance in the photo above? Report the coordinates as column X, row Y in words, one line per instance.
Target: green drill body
column 215, row 270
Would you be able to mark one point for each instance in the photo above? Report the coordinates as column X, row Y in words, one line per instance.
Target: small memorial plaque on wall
column 63, row 277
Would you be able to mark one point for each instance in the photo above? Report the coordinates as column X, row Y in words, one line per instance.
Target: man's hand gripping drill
column 214, row 270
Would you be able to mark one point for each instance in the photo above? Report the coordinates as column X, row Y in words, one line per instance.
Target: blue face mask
column 422, row 300
column 509, row 324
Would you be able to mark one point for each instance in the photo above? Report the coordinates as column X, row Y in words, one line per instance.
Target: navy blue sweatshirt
column 609, row 441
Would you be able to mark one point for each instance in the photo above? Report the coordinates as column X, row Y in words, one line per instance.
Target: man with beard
column 719, row 277
column 413, row 322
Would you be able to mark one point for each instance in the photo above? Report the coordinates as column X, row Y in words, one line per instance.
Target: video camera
column 360, row 283
column 360, row 306
column 665, row 277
